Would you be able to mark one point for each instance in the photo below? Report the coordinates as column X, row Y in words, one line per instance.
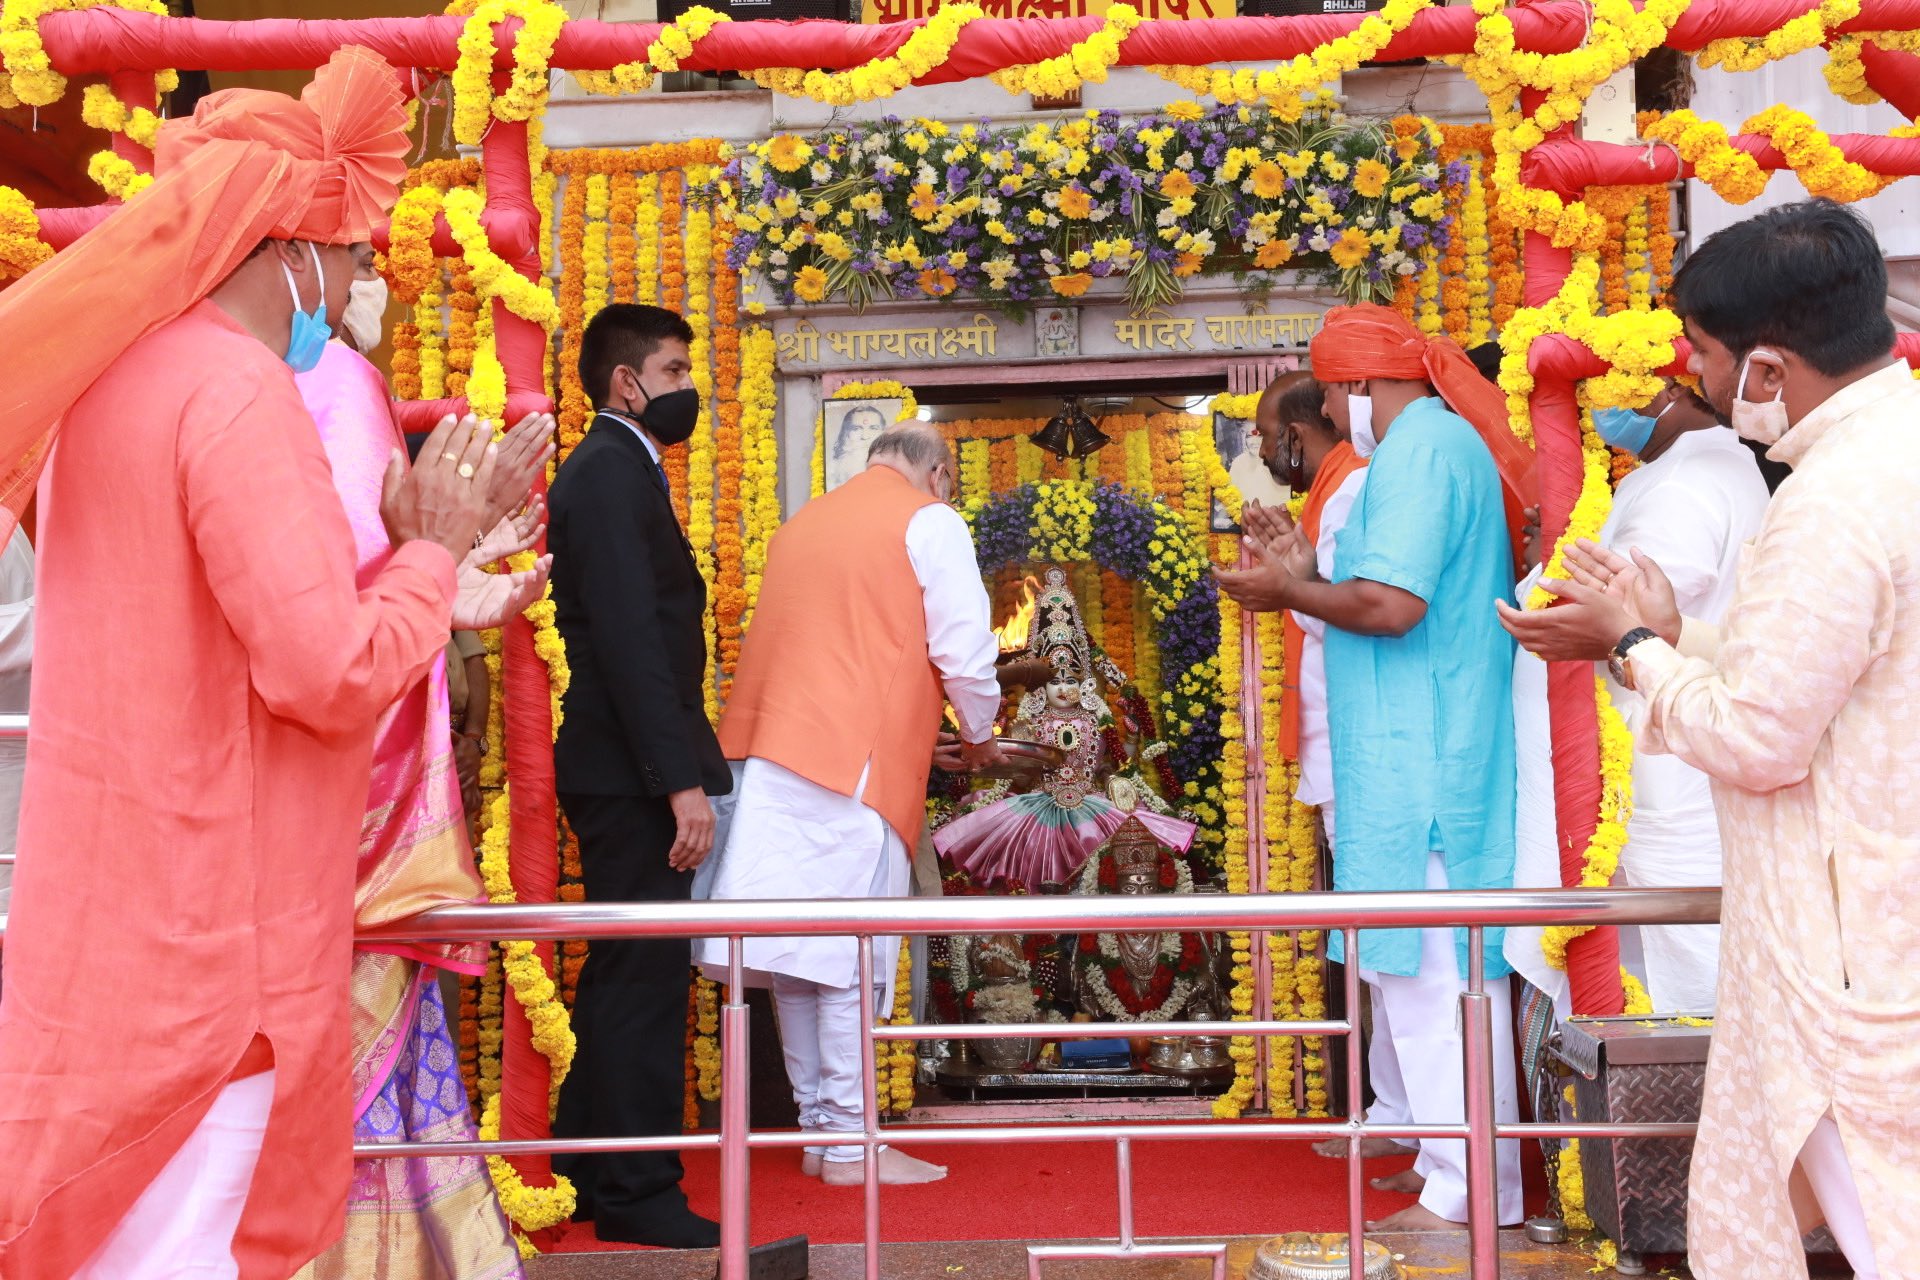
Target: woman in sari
column 436, row 1218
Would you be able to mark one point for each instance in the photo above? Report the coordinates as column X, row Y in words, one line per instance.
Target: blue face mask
column 1626, row 429
column 308, row 336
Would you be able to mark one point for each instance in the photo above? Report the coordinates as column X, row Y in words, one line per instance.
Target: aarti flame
column 1012, row 634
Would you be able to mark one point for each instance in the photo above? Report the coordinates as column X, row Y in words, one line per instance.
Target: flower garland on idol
column 1233, row 790
column 905, row 209
column 1142, row 539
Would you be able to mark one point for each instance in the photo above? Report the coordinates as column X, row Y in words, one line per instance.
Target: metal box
column 1640, row 1070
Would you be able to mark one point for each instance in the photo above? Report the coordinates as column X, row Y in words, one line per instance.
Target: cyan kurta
column 1422, row 724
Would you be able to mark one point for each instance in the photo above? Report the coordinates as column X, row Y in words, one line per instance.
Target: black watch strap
column 1631, row 639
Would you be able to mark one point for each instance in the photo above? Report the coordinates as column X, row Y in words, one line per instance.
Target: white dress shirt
column 1316, row 749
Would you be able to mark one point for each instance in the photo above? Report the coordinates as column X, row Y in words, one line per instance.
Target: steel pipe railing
column 866, row 919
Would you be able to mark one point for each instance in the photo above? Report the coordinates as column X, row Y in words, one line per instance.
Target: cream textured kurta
column 1805, row 710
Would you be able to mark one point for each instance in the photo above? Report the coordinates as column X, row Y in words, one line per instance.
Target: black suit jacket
column 630, row 604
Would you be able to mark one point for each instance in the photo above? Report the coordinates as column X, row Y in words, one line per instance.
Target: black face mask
column 670, row 418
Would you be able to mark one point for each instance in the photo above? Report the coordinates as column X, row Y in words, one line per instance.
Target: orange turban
column 248, row 166
column 1371, row 341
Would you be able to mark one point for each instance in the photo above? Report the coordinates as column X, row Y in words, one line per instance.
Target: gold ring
column 450, row 457
column 466, row 471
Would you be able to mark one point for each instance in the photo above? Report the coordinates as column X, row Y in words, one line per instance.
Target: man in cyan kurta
column 1802, row 710
column 174, row 1033
column 872, row 616
column 1417, row 703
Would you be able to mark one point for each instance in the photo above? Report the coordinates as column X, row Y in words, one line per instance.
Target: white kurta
column 1691, row 509
column 791, row 838
column 1316, row 749
column 16, row 661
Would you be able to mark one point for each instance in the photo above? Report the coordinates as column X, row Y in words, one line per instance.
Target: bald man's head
column 919, row 452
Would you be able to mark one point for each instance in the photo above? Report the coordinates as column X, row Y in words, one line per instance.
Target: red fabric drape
column 105, row 40
column 1895, row 77
column 1593, row 959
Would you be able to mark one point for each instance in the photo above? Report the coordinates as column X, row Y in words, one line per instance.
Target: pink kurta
column 205, row 692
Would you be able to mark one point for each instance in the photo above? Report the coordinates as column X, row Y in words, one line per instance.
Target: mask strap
column 294, row 289
column 1740, row 392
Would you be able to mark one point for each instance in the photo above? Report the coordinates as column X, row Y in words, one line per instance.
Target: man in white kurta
column 1802, row 710
column 1691, row 506
column 796, row 836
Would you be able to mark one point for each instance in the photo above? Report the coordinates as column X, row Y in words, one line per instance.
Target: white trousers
column 1383, row 1064
column 1825, row 1163
column 1421, row 1016
column 820, row 1036
column 181, row 1227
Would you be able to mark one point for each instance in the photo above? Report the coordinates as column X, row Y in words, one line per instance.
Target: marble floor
column 1420, row 1257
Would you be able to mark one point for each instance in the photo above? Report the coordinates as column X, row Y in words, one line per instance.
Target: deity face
column 1136, row 881
column 1063, row 691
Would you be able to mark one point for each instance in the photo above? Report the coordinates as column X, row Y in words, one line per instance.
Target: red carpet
column 1223, row 1187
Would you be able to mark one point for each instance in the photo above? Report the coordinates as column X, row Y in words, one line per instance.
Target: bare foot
column 810, row 1164
column 1406, row 1182
column 897, row 1169
column 1416, row 1217
column 1370, row 1148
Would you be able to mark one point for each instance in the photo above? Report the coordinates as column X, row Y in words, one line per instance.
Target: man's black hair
column 1808, row 277
column 624, row 333
column 1486, row 358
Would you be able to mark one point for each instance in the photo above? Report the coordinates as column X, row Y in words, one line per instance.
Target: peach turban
column 248, row 166
column 1371, row 341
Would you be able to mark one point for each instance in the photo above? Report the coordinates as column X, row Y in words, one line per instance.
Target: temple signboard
column 883, row 11
column 961, row 335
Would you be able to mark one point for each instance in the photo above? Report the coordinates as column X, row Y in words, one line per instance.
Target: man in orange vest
column 872, row 618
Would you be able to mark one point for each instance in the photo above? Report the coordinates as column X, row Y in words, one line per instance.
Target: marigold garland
column 21, row 248
column 1233, row 789
column 925, row 49
column 29, row 75
column 1742, row 53
column 1087, row 62
column 1293, row 86
column 1602, row 856
column 674, row 43
column 490, row 274
column 894, row 1059
column 473, row 98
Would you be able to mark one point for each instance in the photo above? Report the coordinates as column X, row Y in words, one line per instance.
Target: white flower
column 1319, row 242
column 1406, row 268
column 990, row 205
column 821, row 171
column 778, row 257
column 1184, row 160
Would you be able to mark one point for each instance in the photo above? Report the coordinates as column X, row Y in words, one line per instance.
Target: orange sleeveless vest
column 834, row 672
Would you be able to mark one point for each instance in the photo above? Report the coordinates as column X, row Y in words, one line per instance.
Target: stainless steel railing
column 867, row 919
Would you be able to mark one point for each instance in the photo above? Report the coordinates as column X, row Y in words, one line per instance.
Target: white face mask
column 1762, row 423
column 1360, row 423
column 366, row 313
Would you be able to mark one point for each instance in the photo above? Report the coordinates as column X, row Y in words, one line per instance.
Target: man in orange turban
column 1418, row 704
column 174, row 1034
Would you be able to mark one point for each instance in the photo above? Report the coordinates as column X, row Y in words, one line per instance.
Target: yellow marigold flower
column 1177, row 185
column 1075, row 203
column 1037, row 217
column 1351, row 249
column 1336, row 168
column 1269, row 180
column 810, row 284
column 1370, row 179
column 1071, row 286
column 787, row 153
column 1185, row 110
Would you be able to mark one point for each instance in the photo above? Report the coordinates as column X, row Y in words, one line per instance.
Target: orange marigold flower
column 1177, row 184
column 936, row 283
column 1071, row 286
column 1274, row 253
column 1075, row 203
column 1370, row 179
column 1188, row 264
column 923, row 204
column 787, row 153
column 1269, row 180
column 1351, row 249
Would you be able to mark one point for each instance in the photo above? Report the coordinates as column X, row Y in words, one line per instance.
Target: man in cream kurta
column 1802, row 710
column 796, row 836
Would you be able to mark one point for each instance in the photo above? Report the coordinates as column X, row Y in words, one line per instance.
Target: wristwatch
column 1617, row 660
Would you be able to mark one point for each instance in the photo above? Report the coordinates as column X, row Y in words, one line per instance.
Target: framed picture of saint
column 1239, row 448
column 850, row 431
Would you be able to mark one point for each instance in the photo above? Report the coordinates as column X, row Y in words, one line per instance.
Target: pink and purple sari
column 430, row 1218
